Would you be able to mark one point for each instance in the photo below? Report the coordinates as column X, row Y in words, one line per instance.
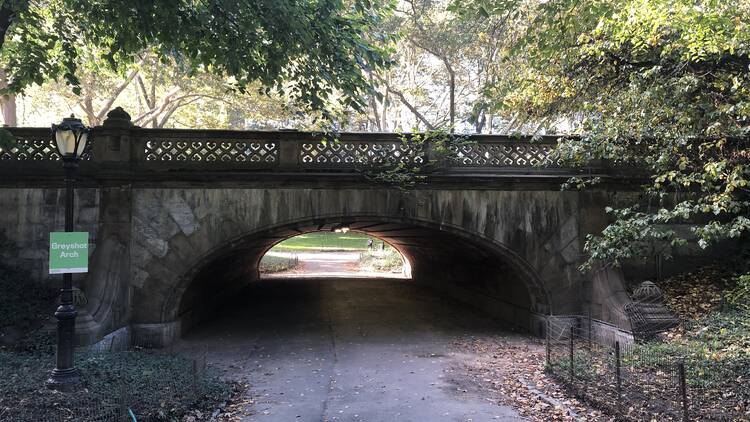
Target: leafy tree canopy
column 663, row 84
column 310, row 49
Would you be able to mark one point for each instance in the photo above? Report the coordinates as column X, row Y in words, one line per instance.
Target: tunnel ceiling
column 408, row 238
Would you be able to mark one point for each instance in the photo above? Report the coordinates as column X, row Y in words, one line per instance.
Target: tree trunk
column 413, row 109
column 88, row 108
column 154, row 78
column 7, row 16
column 479, row 124
column 8, row 103
column 384, row 118
column 375, row 116
column 452, row 87
column 374, row 104
column 118, row 90
column 451, row 79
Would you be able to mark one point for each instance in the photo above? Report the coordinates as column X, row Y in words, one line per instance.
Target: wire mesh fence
column 638, row 381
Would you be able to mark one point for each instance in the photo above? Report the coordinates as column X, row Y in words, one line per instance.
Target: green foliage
column 324, row 241
column 740, row 295
column 275, row 264
column 159, row 386
column 661, row 84
column 585, row 366
column 160, row 92
column 155, row 386
column 311, row 50
column 387, row 260
column 631, row 234
column 714, row 336
column 721, row 335
column 429, row 151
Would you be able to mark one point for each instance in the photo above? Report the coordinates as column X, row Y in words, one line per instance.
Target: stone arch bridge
column 179, row 219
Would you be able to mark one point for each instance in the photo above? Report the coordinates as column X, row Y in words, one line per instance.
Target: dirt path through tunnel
column 347, row 350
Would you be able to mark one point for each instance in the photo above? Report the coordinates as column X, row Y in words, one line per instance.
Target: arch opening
column 341, row 252
column 463, row 266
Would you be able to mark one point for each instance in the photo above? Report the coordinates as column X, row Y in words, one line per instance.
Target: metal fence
column 637, row 381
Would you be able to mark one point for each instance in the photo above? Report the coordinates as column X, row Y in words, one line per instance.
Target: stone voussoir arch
column 292, row 227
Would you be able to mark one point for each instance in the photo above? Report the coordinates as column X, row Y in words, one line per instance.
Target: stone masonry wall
column 153, row 242
column 175, row 230
column 29, row 215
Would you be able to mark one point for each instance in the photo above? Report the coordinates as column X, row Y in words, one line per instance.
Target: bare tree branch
column 451, row 79
column 374, row 105
column 155, row 111
column 146, row 97
column 118, row 90
column 413, row 109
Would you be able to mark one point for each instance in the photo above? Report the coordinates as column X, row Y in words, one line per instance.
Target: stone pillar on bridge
column 289, row 153
column 113, row 141
column 107, row 286
column 604, row 295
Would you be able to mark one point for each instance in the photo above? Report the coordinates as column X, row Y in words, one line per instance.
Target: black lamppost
column 70, row 136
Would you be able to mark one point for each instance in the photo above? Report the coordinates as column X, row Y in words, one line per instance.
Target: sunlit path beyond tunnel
column 346, row 350
column 334, row 254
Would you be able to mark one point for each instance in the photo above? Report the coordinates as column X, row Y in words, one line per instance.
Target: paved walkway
column 347, row 350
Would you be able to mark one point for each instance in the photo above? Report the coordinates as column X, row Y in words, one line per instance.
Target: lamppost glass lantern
column 71, row 137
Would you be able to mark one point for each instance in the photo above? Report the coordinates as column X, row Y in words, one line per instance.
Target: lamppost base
column 65, row 380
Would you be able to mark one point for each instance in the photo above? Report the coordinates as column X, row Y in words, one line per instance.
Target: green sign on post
column 68, row 252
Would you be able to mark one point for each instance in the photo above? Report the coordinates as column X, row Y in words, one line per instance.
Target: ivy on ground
column 154, row 386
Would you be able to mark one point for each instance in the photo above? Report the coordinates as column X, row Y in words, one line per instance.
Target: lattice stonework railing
column 208, row 149
column 36, row 148
column 221, row 150
column 346, row 154
column 506, row 155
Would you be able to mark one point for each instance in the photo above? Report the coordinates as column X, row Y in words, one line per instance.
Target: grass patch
column 325, row 241
column 275, row 264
